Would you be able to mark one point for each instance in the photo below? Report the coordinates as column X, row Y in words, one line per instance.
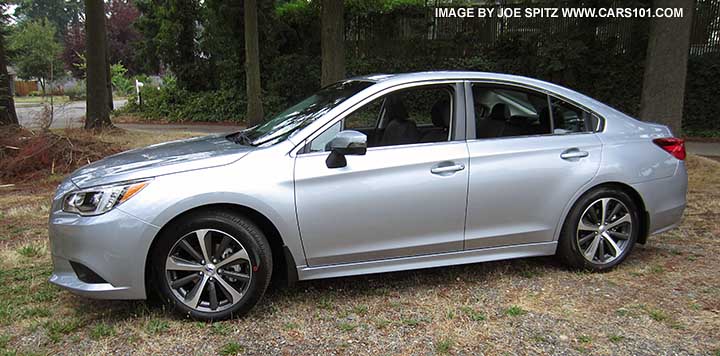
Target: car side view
column 371, row 174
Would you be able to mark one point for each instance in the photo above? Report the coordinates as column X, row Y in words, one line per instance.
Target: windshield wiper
column 241, row 138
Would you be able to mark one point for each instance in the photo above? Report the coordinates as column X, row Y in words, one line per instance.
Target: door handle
column 447, row 169
column 573, row 153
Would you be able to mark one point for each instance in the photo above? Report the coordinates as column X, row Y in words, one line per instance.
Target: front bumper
column 113, row 245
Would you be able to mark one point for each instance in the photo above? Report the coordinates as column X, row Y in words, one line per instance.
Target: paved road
column 704, row 148
column 66, row 115
column 200, row 128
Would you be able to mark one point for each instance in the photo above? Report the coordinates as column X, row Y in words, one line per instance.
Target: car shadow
column 347, row 288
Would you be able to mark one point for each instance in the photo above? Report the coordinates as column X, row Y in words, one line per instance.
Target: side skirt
column 428, row 261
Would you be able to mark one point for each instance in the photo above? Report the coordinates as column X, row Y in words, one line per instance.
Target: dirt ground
column 665, row 299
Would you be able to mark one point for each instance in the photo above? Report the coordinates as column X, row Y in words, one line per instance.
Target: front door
column 406, row 196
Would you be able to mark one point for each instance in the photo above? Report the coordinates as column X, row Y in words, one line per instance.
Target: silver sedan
column 371, row 174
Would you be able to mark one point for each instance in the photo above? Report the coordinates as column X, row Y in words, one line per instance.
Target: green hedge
column 702, row 96
column 169, row 102
column 571, row 55
column 581, row 65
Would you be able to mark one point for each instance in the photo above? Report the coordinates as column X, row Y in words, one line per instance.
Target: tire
column 240, row 259
column 615, row 239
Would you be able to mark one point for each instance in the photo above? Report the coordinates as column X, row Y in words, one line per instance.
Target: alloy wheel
column 208, row 270
column 604, row 230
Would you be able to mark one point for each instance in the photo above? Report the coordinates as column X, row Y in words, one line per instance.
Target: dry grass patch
column 662, row 300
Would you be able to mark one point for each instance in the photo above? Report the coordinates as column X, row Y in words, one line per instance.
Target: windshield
column 304, row 113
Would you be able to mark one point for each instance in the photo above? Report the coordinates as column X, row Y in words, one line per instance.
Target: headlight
column 99, row 200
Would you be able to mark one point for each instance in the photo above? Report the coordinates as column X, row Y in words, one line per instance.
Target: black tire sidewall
column 568, row 248
column 242, row 229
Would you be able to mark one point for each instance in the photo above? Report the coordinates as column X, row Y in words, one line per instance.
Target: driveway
column 66, row 115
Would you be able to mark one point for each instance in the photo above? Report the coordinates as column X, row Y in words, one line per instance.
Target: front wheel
column 600, row 230
column 212, row 265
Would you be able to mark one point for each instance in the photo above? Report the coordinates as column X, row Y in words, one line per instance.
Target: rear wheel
column 600, row 230
column 212, row 265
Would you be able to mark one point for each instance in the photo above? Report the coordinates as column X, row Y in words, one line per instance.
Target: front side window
column 302, row 114
column 409, row 116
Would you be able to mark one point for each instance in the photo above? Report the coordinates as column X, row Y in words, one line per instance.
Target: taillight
column 674, row 146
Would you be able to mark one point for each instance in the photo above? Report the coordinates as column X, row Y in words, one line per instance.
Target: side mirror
column 348, row 142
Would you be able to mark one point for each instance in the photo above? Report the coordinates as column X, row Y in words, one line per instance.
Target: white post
column 138, row 85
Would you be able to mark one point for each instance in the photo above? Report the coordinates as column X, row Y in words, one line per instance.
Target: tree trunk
column 254, row 114
column 663, row 89
column 97, row 115
column 108, row 76
column 7, row 103
column 332, row 41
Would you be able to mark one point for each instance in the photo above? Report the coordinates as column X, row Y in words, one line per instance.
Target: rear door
column 529, row 155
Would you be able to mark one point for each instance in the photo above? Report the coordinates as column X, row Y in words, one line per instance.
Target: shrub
column 701, row 93
column 293, row 78
column 174, row 104
column 77, row 92
column 122, row 84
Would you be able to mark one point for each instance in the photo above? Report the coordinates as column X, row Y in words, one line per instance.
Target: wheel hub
column 210, row 269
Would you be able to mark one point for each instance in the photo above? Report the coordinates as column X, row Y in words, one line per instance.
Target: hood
column 160, row 159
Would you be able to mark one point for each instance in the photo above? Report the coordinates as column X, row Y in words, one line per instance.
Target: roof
column 400, row 78
column 438, row 75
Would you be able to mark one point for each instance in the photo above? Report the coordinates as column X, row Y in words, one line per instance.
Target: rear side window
column 568, row 118
column 508, row 112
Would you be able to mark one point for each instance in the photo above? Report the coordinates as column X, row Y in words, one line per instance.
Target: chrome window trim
column 392, row 147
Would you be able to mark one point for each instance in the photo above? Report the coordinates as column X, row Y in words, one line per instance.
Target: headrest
column 558, row 119
column 500, row 112
column 440, row 113
column 518, row 120
column 544, row 119
column 395, row 109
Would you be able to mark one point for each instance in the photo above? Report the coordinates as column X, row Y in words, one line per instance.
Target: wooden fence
column 25, row 87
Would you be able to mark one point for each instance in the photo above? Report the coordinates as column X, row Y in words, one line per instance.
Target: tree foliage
column 173, row 27
column 123, row 38
column 61, row 13
column 36, row 50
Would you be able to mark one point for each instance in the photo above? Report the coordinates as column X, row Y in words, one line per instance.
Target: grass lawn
column 37, row 100
column 665, row 299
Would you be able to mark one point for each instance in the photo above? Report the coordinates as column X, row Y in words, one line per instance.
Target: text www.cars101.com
column 555, row 12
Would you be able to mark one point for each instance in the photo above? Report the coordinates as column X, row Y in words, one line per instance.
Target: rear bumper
column 113, row 245
column 665, row 200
